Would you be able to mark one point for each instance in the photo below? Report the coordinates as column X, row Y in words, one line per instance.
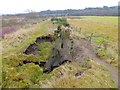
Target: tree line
column 97, row 11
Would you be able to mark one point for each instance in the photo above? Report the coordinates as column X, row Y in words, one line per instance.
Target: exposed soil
column 41, row 64
column 34, row 49
column 48, row 38
column 79, row 73
column 60, row 54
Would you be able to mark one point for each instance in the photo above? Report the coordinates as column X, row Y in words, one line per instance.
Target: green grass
column 46, row 49
column 103, row 19
column 26, row 76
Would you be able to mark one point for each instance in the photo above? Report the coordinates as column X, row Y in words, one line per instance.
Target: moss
column 3, row 76
column 25, row 76
column 16, row 60
column 45, row 50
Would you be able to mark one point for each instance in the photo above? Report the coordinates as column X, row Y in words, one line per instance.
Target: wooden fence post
column 91, row 37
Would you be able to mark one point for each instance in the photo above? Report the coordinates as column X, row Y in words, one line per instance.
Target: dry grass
column 22, row 38
column 97, row 27
column 95, row 77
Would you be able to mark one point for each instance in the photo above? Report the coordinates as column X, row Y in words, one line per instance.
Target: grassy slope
column 31, row 75
column 28, row 75
column 22, row 38
column 105, row 31
column 95, row 77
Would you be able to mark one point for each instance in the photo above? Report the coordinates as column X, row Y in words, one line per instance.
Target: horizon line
column 28, row 10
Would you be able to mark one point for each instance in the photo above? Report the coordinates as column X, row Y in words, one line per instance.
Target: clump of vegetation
column 60, row 21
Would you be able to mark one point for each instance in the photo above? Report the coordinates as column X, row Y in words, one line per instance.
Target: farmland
column 105, row 30
column 95, row 54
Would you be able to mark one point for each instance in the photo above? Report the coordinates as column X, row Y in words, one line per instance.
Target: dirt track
column 83, row 48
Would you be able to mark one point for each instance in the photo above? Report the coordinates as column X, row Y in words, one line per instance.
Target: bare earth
column 83, row 48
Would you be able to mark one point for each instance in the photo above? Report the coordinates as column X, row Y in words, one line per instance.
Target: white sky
column 20, row 6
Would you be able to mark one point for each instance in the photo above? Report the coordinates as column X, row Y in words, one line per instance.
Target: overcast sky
column 21, row 6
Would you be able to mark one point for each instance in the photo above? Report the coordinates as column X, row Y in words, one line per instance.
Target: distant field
column 105, row 31
column 106, row 19
column 10, row 24
column 101, row 25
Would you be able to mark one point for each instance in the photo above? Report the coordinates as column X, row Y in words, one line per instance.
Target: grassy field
column 105, row 34
column 30, row 75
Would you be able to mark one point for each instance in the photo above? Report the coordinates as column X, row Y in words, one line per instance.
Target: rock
column 79, row 73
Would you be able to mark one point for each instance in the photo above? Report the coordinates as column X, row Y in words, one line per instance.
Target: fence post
column 91, row 37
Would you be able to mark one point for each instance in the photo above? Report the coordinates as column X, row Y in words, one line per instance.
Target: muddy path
column 83, row 49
